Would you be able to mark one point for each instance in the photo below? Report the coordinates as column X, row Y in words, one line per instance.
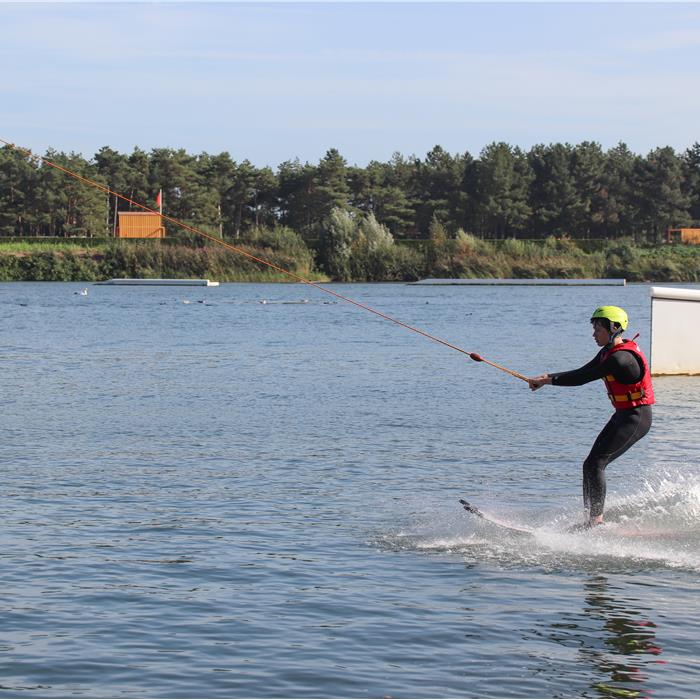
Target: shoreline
column 512, row 259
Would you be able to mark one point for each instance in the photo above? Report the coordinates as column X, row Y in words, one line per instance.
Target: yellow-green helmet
column 614, row 314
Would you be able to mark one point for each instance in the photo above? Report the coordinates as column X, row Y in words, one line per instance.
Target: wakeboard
column 609, row 529
column 495, row 521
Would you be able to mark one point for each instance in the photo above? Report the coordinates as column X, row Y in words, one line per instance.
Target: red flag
column 159, row 201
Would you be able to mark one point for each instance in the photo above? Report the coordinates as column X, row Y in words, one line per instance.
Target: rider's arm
column 623, row 365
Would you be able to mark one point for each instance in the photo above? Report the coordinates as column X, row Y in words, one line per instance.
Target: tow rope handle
column 478, row 358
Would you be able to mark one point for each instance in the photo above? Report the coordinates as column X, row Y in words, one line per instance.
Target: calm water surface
column 207, row 495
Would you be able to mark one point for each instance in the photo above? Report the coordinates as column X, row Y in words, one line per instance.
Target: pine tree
column 587, row 170
column 553, row 195
column 503, row 178
column 297, row 186
column 663, row 203
column 438, row 182
column 691, row 174
column 618, row 197
column 17, row 183
column 331, row 190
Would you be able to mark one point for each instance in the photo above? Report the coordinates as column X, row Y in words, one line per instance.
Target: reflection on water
column 615, row 639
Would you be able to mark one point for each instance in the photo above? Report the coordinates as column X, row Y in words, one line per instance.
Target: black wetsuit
column 625, row 427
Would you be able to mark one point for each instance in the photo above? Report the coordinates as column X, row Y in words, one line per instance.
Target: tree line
column 579, row 191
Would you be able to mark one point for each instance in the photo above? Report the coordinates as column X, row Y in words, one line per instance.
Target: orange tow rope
column 474, row 356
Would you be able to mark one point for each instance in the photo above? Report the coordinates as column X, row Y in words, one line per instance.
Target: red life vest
column 640, row 393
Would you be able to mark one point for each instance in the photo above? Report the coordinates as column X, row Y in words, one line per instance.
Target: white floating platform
column 532, row 281
column 126, row 281
column 675, row 330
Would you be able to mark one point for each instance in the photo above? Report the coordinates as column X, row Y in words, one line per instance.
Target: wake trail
column 656, row 526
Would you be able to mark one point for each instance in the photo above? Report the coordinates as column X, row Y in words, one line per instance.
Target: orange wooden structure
column 683, row 235
column 133, row 224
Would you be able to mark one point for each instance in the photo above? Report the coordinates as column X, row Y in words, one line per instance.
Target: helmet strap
column 614, row 334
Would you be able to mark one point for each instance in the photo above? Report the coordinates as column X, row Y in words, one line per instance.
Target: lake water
column 206, row 495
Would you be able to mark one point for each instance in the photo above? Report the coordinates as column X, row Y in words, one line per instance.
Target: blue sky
column 275, row 81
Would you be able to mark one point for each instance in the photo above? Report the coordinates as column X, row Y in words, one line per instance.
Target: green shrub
column 351, row 248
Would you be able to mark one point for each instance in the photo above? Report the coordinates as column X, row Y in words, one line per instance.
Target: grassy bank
column 563, row 258
column 92, row 262
column 463, row 256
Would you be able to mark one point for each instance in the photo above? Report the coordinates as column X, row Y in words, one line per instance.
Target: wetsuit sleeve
column 623, row 365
